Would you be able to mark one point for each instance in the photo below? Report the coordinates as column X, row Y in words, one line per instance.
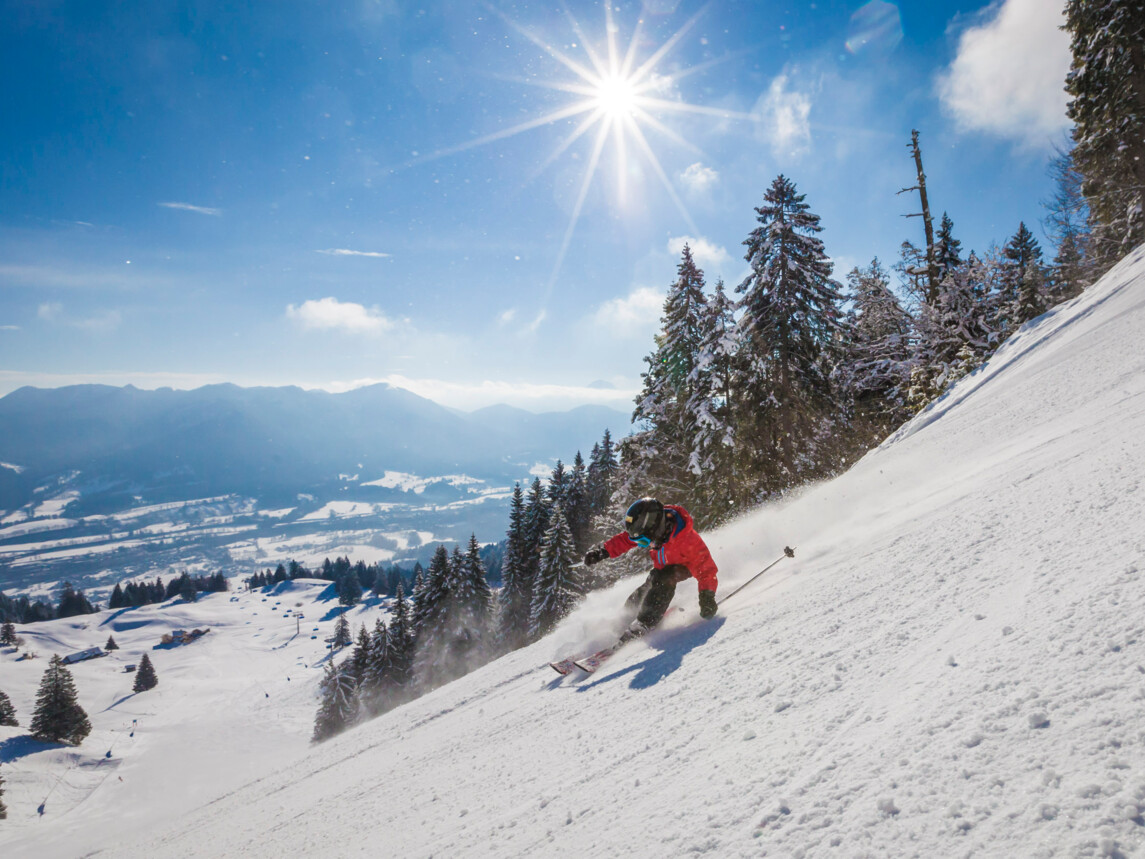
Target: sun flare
column 616, row 98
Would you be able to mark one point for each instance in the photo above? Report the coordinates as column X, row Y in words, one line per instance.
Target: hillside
column 951, row 666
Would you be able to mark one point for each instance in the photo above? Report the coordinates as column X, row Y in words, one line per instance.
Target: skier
column 677, row 551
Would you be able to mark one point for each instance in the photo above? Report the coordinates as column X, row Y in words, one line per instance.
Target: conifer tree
column 360, row 655
column 3, row 809
column 662, row 451
column 116, row 599
column 947, row 249
column 576, row 503
column 877, row 366
column 536, row 523
column 401, row 641
column 342, row 634
column 599, row 480
column 559, row 586
column 468, row 618
column 788, row 341
column 111, row 645
column 1108, row 109
column 340, row 704
column 430, row 606
column 145, row 677
column 1019, row 282
column 516, row 591
column 7, row 633
column 58, row 716
column 375, row 671
column 7, row 712
column 712, row 456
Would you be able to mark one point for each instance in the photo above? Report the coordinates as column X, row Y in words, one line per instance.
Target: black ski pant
column 651, row 599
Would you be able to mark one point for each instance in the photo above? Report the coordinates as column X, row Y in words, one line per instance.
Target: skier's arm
column 618, row 545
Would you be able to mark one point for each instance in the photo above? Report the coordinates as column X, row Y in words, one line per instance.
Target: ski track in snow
column 952, row 665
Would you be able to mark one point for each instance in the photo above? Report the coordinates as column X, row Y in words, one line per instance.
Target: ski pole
column 788, row 552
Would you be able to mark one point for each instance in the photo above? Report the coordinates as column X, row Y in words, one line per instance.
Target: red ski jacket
column 683, row 546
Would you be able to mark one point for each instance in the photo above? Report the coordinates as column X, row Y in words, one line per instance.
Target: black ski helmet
column 645, row 518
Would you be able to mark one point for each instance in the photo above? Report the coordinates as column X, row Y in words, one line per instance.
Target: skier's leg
column 660, row 594
column 636, row 598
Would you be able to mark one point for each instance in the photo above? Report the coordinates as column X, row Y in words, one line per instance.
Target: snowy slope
column 953, row 665
column 239, row 700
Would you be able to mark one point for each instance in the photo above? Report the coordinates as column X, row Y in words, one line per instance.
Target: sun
column 615, row 98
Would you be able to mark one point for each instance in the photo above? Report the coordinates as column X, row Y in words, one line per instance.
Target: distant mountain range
column 100, row 450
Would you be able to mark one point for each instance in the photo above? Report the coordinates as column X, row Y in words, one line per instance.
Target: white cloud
column 50, row 311
column 698, row 179
column 328, row 313
column 706, row 254
column 187, row 207
column 507, row 316
column 53, row 311
column 785, row 117
column 1009, row 74
column 9, row 327
column 532, row 327
column 636, row 315
column 346, row 252
column 106, row 321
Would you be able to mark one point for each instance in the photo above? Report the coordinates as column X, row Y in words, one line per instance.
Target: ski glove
column 595, row 556
column 707, row 604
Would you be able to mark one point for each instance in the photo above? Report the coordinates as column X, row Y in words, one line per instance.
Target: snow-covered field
column 952, row 665
column 236, row 702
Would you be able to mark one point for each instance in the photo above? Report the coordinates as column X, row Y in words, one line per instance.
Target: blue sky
column 471, row 200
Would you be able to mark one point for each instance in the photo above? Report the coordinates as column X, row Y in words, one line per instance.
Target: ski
column 589, row 664
column 564, row 666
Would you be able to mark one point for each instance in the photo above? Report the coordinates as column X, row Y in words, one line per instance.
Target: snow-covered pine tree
column 1020, row 271
column 876, row 369
column 558, row 484
column 1031, row 302
column 376, row 670
column 7, row 712
column 360, row 655
column 401, row 643
column 559, row 584
column 712, row 458
column 58, row 716
column 340, row 705
column 536, row 524
column 3, row 808
column 661, row 452
column 516, row 591
column 602, row 469
column 471, row 610
column 431, row 620
column 7, row 633
column 1108, row 110
column 145, row 676
column 111, row 645
column 342, row 634
column 576, row 503
column 788, row 340
column 947, row 249
column 349, row 588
